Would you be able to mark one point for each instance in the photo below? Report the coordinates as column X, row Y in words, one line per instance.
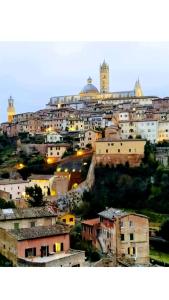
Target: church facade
column 91, row 93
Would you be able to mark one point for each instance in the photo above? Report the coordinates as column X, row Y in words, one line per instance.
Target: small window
column 32, row 224
column 64, row 220
column 16, row 225
column 71, row 220
column 130, row 223
column 121, row 224
column 122, row 237
column 112, row 144
column 118, row 150
column 129, row 150
column 121, row 144
column 107, row 151
column 131, row 236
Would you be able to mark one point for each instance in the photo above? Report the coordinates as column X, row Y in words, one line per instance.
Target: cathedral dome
column 89, row 87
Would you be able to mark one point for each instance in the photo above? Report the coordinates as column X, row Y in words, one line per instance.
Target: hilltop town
column 84, row 181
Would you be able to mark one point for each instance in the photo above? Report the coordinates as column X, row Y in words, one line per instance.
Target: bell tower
column 137, row 89
column 104, row 78
column 10, row 110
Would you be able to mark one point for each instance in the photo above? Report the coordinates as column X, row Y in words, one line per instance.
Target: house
column 68, row 219
column 90, row 138
column 119, row 151
column 56, row 151
column 44, row 181
column 15, row 218
column 53, row 137
column 122, row 234
column 15, row 187
column 47, row 246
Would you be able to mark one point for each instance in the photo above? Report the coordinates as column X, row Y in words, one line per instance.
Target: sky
column 32, row 72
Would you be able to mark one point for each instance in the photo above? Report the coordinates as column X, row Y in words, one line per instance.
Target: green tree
column 36, row 196
column 6, row 204
column 164, row 232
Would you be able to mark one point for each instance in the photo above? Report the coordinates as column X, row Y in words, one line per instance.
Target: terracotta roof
column 38, row 232
column 40, row 177
column 119, row 140
column 91, row 222
column 26, row 213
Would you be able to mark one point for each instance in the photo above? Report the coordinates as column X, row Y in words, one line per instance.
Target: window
column 121, row 144
column 16, row 225
column 130, row 223
column 112, row 144
column 122, row 237
column 107, row 151
column 30, row 252
column 32, row 224
column 131, row 236
column 71, row 220
column 129, row 150
column 64, row 220
column 118, row 150
column 121, row 224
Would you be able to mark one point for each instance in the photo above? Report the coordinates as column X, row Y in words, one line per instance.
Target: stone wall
column 74, row 196
column 75, row 259
column 115, row 159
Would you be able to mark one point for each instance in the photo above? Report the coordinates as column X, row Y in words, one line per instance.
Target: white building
column 163, row 130
column 53, row 137
column 16, row 188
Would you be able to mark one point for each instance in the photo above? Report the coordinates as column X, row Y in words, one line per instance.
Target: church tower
column 104, row 78
column 10, row 110
column 137, row 89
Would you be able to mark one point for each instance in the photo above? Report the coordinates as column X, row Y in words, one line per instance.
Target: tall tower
column 104, row 78
column 137, row 89
column 10, row 110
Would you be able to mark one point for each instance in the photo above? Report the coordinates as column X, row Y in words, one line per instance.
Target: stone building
column 15, row 218
column 119, row 151
column 47, row 246
column 121, row 234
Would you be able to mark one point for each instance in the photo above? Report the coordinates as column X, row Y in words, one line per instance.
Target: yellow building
column 68, row 218
column 89, row 89
column 104, row 78
column 10, row 110
column 118, row 151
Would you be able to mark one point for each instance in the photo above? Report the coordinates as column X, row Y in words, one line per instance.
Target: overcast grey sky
column 33, row 72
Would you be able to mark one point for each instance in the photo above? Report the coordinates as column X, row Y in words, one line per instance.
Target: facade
column 68, row 219
column 104, row 78
column 17, row 218
column 45, row 182
column 40, row 246
column 118, row 151
column 10, row 110
column 53, row 138
column 121, row 234
column 90, row 138
column 56, row 151
column 16, row 188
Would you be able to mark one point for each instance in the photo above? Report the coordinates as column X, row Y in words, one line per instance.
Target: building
column 121, row 234
column 67, row 218
column 47, row 246
column 90, row 138
column 15, row 218
column 53, row 137
column 10, row 110
column 45, row 182
column 56, row 151
column 91, row 93
column 162, row 155
column 119, row 151
column 15, row 187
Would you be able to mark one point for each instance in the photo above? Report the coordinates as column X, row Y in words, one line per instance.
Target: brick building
column 121, row 234
column 40, row 246
column 119, row 151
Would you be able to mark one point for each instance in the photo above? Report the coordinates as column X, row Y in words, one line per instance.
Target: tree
column 164, row 232
column 36, row 196
column 6, row 204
